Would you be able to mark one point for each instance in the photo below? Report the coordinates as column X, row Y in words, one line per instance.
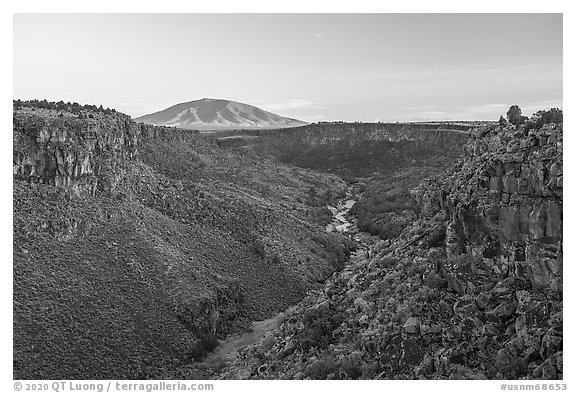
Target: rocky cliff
column 78, row 154
column 505, row 202
column 356, row 149
column 83, row 155
column 472, row 289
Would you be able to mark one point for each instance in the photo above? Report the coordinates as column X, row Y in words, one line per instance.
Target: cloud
column 487, row 108
column 291, row 104
column 530, row 107
column 137, row 109
column 318, row 35
column 310, row 118
column 419, row 107
column 493, row 109
column 433, row 113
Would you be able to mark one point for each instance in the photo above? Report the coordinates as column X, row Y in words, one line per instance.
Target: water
column 340, row 222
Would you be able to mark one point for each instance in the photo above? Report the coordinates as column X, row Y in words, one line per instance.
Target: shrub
column 61, row 106
column 320, row 369
column 553, row 115
column 352, row 367
column 209, row 342
column 514, row 115
column 206, row 344
column 321, row 215
column 258, row 247
column 319, row 325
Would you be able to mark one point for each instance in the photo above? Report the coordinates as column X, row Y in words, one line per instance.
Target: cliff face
column 352, row 133
column 472, row 289
column 82, row 155
column 505, row 202
column 356, row 149
column 322, row 133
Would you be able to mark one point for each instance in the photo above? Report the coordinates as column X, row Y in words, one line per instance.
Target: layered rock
column 505, row 202
column 82, row 155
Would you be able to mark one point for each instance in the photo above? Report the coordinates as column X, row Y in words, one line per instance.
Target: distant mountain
column 214, row 114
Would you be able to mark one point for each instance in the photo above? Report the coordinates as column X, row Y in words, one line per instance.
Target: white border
column 231, row 6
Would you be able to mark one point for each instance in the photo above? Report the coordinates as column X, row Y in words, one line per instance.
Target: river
column 342, row 223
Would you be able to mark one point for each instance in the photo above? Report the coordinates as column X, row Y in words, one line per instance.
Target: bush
column 318, row 327
column 514, row 115
column 351, row 367
column 320, row 369
column 61, row 106
column 258, row 247
column 206, row 344
column 209, row 342
column 553, row 115
column 321, row 215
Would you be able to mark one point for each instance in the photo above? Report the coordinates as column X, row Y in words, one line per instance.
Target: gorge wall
column 505, row 202
column 80, row 155
column 356, row 149
column 71, row 153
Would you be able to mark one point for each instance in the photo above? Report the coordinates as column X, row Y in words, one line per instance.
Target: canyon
column 330, row 250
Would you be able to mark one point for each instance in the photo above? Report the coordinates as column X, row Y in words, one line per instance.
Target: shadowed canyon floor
column 229, row 348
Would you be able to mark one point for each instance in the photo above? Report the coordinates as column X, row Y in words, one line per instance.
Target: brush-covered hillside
column 353, row 150
column 137, row 247
column 384, row 160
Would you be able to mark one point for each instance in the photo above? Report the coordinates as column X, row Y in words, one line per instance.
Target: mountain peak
column 217, row 114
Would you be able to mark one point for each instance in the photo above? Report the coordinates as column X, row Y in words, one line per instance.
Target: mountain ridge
column 215, row 113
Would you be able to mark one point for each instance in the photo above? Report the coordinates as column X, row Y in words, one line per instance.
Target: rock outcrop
column 82, row 155
column 505, row 202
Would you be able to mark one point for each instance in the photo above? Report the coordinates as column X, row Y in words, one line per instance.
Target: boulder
column 465, row 306
column 412, row 325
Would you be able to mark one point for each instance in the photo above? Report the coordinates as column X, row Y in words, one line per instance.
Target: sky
column 314, row 67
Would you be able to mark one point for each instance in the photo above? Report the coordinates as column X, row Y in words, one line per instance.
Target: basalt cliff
column 355, row 149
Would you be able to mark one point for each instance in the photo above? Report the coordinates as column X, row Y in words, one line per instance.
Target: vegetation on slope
column 385, row 160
